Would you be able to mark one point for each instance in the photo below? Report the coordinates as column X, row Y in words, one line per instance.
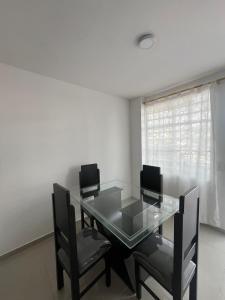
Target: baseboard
column 36, row 241
column 213, row 227
column 21, row 248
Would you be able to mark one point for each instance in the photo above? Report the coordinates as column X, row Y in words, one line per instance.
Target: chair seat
column 90, row 193
column 91, row 246
column 151, row 200
column 156, row 255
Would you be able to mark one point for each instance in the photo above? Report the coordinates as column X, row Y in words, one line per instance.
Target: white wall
column 48, row 128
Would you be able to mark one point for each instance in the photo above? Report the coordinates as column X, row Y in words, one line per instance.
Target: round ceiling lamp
column 146, row 41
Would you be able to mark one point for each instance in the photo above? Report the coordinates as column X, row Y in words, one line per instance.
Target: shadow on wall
column 72, row 178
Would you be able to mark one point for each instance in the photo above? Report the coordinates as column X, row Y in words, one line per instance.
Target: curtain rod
column 185, row 90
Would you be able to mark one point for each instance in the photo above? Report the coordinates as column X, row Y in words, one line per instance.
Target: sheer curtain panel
column 178, row 136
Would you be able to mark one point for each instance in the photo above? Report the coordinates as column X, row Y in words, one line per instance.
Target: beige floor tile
column 30, row 274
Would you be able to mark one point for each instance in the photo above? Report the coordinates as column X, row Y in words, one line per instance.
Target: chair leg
column 82, row 218
column 177, row 297
column 92, row 222
column 193, row 288
column 107, row 270
column 177, row 294
column 137, row 280
column 160, row 230
column 75, row 291
column 59, row 275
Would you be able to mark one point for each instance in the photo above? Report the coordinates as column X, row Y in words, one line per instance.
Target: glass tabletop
column 128, row 212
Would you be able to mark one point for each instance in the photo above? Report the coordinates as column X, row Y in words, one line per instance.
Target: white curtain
column 218, row 125
column 178, row 135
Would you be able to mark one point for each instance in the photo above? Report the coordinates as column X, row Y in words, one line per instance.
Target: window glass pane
column 177, row 133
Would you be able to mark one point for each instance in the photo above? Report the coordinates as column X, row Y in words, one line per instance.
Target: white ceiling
column 92, row 42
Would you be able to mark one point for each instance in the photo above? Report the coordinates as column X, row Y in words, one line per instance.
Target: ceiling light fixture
column 146, row 41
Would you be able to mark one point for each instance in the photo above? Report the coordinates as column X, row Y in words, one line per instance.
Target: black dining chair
column 76, row 254
column 151, row 180
column 173, row 265
column 89, row 178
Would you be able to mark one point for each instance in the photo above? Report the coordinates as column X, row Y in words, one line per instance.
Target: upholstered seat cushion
column 90, row 193
column 156, row 255
column 91, row 246
column 151, row 200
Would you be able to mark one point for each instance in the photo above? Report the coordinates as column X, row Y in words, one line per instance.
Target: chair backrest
column 186, row 223
column 151, row 179
column 89, row 176
column 65, row 227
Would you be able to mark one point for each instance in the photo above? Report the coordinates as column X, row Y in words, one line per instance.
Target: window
column 176, row 134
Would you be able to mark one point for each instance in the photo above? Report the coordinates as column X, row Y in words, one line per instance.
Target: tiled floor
column 30, row 275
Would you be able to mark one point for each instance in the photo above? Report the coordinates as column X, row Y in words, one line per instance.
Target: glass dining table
column 126, row 211
column 127, row 215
